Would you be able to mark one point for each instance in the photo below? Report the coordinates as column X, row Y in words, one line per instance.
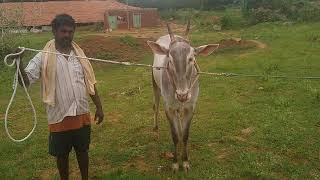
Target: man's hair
column 62, row 20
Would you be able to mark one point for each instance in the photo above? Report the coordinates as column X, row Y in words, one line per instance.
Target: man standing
column 65, row 82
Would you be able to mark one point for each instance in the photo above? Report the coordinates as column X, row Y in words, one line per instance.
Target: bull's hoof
column 175, row 167
column 186, row 166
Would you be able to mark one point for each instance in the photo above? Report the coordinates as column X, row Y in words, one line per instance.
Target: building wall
column 149, row 18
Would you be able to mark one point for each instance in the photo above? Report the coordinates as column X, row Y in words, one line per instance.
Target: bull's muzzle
column 183, row 96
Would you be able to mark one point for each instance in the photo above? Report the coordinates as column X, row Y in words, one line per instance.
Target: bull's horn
column 188, row 29
column 170, row 33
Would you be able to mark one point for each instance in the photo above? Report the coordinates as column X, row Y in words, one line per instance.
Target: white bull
column 178, row 84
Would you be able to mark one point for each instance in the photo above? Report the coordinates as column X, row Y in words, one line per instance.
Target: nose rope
column 172, row 80
column 170, row 75
column 197, row 76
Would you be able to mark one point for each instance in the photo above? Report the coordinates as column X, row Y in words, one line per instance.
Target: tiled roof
column 42, row 13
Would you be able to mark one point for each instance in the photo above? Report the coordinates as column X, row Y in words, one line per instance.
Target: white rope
column 199, row 72
column 92, row 59
column 16, row 62
column 18, row 73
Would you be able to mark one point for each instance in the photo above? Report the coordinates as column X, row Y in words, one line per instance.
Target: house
column 138, row 18
column 110, row 12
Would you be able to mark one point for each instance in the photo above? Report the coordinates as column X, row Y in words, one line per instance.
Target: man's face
column 64, row 35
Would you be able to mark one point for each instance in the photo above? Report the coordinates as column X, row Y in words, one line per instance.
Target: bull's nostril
column 182, row 97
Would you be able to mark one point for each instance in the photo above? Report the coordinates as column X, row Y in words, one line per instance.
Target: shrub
column 232, row 22
column 308, row 13
column 8, row 44
column 264, row 15
column 99, row 26
column 129, row 40
column 273, row 10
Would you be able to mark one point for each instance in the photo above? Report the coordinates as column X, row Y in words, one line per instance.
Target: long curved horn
column 170, row 33
column 188, row 29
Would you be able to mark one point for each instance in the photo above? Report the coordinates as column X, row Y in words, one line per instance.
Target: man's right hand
column 16, row 56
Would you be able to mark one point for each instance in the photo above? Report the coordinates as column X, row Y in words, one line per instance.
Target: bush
column 8, row 44
column 264, row 15
column 274, row 10
column 308, row 13
column 129, row 40
column 232, row 22
column 180, row 15
column 99, row 26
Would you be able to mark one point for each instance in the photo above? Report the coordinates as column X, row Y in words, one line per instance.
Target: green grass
column 282, row 114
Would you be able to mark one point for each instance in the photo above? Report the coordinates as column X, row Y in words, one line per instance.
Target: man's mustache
column 67, row 39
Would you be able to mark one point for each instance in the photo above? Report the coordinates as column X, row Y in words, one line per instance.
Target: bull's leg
column 188, row 114
column 156, row 99
column 173, row 120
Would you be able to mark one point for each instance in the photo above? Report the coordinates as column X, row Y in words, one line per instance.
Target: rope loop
column 16, row 61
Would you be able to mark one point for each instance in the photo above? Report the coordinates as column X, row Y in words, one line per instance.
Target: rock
column 35, row 30
column 217, row 27
column 287, row 23
column 236, row 39
column 247, row 131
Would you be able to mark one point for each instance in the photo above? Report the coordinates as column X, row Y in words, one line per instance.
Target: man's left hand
column 99, row 116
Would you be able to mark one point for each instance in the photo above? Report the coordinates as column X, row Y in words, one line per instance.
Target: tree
column 175, row 4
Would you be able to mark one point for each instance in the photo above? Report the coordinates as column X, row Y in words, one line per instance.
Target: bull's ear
column 157, row 49
column 206, row 50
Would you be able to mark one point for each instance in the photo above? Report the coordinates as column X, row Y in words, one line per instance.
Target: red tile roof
column 42, row 13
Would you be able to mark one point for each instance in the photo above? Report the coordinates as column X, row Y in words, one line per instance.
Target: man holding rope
column 65, row 82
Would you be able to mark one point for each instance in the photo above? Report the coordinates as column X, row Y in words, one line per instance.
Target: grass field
column 244, row 128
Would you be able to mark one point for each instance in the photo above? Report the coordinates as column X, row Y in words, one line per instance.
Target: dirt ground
column 112, row 48
column 109, row 45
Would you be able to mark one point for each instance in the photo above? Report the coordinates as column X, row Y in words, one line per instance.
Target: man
column 65, row 82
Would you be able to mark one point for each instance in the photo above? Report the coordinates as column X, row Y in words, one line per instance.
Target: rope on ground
column 16, row 62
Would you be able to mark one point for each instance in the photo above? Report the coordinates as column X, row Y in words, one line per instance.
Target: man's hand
column 16, row 56
column 99, row 112
column 99, row 116
column 21, row 67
